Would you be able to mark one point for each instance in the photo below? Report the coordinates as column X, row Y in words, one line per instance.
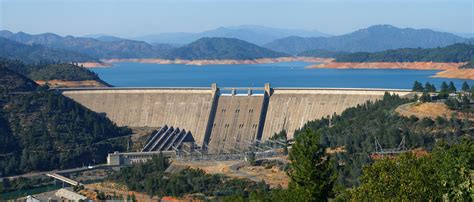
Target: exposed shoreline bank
column 447, row 69
column 221, row 62
column 94, row 64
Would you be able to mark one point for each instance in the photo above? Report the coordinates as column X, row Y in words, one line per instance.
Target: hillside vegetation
column 51, row 71
column 41, row 130
column 357, row 128
column 36, row 53
column 218, row 48
column 469, row 65
column 453, row 53
column 150, row 177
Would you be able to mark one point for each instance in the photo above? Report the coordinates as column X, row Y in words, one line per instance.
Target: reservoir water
column 289, row 74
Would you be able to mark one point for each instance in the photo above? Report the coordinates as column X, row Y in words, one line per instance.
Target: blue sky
column 129, row 18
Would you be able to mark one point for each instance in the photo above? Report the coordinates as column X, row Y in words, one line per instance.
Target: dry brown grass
column 273, row 176
column 430, row 110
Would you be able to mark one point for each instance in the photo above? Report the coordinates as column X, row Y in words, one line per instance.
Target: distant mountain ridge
column 251, row 33
column 218, row 48
column 39, row 54
column 92, row 47
column 371, row 39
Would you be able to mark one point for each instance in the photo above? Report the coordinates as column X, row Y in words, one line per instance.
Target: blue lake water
column 290, row 74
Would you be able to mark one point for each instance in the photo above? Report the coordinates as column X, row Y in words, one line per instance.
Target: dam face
column 187, row 109
column 222, row 122
column 237, row 121
column 290, row 109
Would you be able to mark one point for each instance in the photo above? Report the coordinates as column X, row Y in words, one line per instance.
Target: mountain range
column 371, row 39
column 251, row 33
column 232, row 43
column 36, row 53
column 96, row 48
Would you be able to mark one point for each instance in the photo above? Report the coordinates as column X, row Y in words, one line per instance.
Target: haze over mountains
column 38, row 53
column 93, row 47
column 225, row 43
column 372, row 39
column 251, row 33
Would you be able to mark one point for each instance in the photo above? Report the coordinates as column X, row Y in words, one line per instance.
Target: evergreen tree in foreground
column 418, row 87
column 430, row 87
column 312, row 175
column 452, row 87
column 465, row 87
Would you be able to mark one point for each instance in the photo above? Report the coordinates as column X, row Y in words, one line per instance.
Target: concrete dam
column 223, row 118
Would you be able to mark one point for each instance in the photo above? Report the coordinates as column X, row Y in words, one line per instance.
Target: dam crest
column 223, row 118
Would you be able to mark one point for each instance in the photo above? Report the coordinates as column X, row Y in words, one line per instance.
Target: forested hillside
column 453, row 53
column 41, row 130
column 36, row 53
column 222, row 48
column 151, row 178
column 357, row 128
column 51, row 71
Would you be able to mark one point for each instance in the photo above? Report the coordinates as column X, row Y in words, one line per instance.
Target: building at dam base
column 223, row 119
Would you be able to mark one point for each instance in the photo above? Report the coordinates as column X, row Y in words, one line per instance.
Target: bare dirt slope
column 239, row 169
column 431, row 110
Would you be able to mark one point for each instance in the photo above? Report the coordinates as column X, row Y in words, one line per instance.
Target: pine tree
column 425, row 97
column 444, row 87
column 311, row 172
column 444, row 93
column 452, row 88
column 465, row 87
column 430, row 87
column 418, row 87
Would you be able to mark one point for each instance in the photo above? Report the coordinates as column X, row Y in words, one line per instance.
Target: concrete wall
column 183, row 108
column 290, row 109
column 237, row 120
column 222, row 121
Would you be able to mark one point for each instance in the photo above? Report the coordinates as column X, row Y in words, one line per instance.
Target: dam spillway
column 218, row 120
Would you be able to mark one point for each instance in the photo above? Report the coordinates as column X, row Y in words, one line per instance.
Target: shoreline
column 94, row 64
column 221, row 62
column 447, row 69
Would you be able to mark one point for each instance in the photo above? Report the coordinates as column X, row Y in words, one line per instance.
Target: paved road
column 66, row 171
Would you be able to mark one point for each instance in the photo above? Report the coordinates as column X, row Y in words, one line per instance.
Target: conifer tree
column 465, row 87
column 452, row 88
column 418, row 87
column 312, row 175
